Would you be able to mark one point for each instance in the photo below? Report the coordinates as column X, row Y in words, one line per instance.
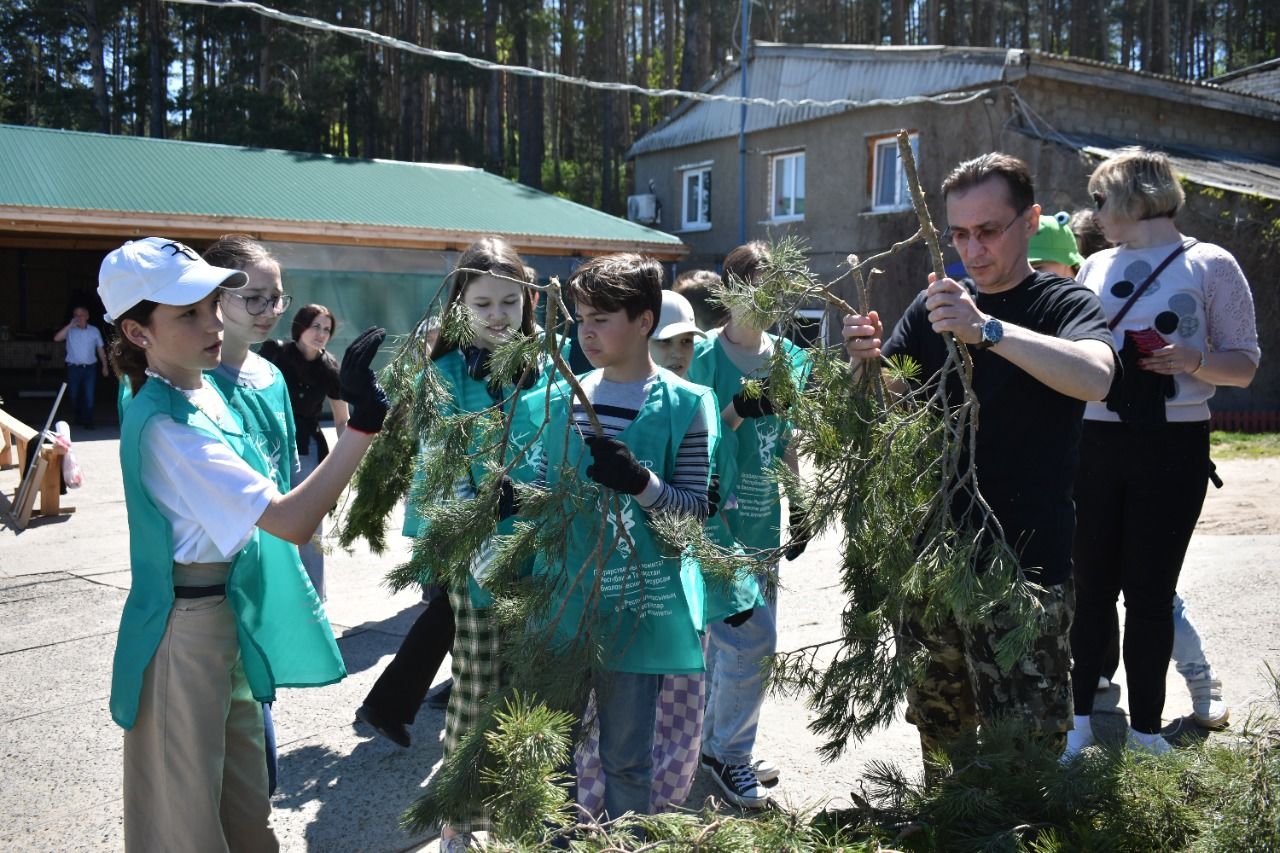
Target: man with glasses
column 1040, row 348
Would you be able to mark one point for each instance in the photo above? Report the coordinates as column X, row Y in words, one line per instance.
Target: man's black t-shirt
column 1028, row 434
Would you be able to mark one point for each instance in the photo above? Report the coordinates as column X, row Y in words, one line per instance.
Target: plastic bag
column 72, row 477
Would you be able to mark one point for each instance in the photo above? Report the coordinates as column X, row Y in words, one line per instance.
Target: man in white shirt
column 85, row 350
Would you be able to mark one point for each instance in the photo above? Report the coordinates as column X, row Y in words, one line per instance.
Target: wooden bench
column 17, row 441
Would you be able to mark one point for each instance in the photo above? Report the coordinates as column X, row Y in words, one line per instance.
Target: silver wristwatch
column 992, row 334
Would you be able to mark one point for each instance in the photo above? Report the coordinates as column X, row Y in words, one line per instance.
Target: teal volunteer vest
column 284, row 635
column 756, row 521
column 723, row 597
column 650, row 627
column 472, row 395
column 268, row 418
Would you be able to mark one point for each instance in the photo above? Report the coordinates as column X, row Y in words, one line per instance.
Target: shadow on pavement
column 360, row 795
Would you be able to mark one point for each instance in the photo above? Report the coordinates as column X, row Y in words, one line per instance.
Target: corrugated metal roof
column 824, row 72
column 88, row 171
column 869, row 72
column 1261, row 79
column 1210, row 167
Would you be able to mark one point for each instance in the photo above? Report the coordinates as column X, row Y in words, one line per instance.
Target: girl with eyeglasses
column 311, row 373
column 254, row 387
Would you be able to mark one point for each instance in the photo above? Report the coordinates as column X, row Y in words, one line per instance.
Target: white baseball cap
column 677, row 317
column 159, row 270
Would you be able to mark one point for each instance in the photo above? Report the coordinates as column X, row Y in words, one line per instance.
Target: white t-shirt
column 210, row 496
column 1201, row 300
column 82, row 344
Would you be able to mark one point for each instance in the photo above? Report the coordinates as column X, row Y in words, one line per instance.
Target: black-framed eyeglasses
column 984, row 234
column 1099, row 199
column 258, row 305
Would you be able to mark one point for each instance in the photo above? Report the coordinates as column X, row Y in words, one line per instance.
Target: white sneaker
column 1207, row 705
column 765, row 770
column 1078, row 739
column 1151, row 744
column 459, row 843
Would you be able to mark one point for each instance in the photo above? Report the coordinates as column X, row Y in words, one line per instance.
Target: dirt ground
column 1248, row 501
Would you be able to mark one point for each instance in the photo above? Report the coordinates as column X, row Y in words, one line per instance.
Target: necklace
column 188, row 394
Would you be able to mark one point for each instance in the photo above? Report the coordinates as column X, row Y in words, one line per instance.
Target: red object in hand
column 1147, row 340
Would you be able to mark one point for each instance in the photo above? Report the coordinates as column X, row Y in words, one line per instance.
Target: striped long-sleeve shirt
column 617, row 404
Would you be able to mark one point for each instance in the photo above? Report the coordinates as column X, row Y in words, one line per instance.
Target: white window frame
column 703, row 170
column 774, row 160
column 901, row 194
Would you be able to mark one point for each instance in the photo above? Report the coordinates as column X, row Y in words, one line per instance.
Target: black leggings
column 1138, row 496
column 400, row 689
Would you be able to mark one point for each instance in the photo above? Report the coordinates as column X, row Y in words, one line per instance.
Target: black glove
column 615, row 466
column 359, row 386
column 713, row 496
column 477, row 362
column 738, row 618
column 798, row 531
column 508, row 500
column 752, row 407
column 529, row 378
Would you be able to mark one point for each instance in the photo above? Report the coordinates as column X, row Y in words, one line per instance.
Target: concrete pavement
column 63, row 582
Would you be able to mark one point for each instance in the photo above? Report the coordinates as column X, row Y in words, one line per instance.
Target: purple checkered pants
column 677, row 739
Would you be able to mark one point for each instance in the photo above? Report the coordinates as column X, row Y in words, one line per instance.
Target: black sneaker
column 738, row 781
column 394, row 732
column 438, row 699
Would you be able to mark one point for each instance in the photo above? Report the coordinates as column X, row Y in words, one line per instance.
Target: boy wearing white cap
column 219, row 612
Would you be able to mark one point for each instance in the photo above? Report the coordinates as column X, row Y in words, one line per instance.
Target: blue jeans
column 736, row 684
column 627, row 703
column 1188, row 647
column 81, row 379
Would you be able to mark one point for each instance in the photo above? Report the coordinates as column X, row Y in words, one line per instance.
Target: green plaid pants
column 476, row 673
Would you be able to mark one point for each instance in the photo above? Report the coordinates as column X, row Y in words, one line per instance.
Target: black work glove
column 713, row 496
column 529, row 378
column 477, row 362
column 508, row 500
column 359, row 386
column 738, row 618
column 798, row 531
column 753, row 407
column 615, row 466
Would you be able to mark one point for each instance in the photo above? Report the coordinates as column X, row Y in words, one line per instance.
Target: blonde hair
column 1139, row 184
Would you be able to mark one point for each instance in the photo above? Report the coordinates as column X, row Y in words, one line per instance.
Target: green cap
column 1055, row 242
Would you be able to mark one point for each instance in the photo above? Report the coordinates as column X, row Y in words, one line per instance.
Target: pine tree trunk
column 1159, row 63
column 157, row 76
column 93, row 29
column 692, row 71
column 898, row 22
column 493, row 98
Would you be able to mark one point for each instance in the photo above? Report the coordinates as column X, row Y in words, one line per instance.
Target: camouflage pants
column 962, row 687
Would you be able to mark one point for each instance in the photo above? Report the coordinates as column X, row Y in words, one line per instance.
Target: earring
column 146, row 343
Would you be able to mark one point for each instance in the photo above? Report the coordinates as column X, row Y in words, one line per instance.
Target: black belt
column 199, row 591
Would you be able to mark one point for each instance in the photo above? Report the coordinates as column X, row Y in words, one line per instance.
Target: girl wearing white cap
column 219, row 612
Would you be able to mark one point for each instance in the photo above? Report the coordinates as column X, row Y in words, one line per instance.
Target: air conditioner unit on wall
column 643, row 208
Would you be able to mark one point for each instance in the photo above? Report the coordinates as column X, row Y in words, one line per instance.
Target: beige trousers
column 195, row 773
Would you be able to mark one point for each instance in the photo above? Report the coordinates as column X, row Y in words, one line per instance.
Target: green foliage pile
column 1219, row 795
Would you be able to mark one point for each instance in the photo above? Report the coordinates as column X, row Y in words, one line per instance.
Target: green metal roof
column 90, row 171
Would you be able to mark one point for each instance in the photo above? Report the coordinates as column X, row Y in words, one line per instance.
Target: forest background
column 151, row 68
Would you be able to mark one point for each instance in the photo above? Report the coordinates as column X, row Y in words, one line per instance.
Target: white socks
column 1154, row 744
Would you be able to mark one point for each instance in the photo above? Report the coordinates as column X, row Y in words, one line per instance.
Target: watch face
column 992, row 332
